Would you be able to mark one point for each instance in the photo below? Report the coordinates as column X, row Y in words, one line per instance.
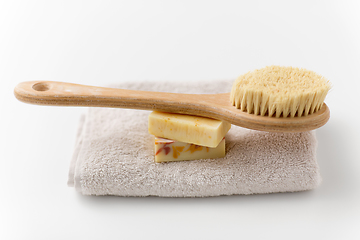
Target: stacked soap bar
column 167, row 150
column 184, row 137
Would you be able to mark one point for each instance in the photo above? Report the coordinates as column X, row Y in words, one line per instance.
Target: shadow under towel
column 114, row 155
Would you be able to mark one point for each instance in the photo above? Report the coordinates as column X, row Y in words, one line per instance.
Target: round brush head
column 280, row 92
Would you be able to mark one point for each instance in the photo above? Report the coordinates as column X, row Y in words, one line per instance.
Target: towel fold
column 114, row 155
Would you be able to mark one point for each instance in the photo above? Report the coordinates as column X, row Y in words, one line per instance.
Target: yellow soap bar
column 189, row 129
column 167, row 150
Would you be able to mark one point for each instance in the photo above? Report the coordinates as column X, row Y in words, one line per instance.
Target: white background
column 105, row 42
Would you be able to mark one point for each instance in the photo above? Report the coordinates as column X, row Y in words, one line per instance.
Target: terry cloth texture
column 114, row 155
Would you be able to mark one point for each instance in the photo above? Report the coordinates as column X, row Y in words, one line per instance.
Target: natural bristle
column 280, row 92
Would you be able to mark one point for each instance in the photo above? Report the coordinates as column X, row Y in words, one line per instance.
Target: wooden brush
column 267, row 99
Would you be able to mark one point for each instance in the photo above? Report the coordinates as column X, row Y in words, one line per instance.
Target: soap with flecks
column 167, row 150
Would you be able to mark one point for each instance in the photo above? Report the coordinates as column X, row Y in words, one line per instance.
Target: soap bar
column 167, row 150
column 189, row 129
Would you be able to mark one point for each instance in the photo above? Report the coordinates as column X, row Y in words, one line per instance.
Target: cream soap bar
column 167, row 150
column 189, row 129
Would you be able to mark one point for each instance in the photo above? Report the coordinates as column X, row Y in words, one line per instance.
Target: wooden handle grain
column 69, row 94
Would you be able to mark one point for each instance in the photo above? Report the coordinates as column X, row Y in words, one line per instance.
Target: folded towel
column 114, row 155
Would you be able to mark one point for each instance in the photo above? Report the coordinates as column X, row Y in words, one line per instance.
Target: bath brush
column 273, row 99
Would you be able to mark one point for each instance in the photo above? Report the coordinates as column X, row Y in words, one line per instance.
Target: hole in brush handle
column 41, row 87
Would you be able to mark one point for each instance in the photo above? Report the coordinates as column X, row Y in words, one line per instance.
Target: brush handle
column 69, row 94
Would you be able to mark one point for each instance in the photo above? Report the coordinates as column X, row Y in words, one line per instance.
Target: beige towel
column 114, row 155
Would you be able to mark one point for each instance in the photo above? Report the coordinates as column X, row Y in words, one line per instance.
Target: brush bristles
column 280, row 92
